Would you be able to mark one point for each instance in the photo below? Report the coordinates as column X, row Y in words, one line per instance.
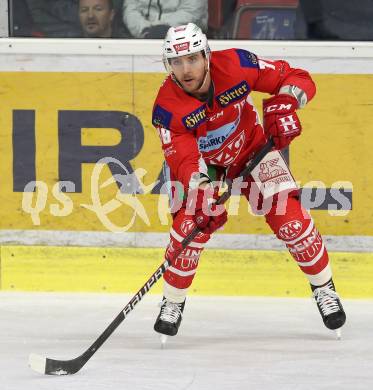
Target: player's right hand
column 280, row 119
column 207, row 215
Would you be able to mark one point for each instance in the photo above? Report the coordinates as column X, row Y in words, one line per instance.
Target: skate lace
column 170, row 311
column 327, row 299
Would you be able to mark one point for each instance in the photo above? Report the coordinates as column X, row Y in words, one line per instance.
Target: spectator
column 152, row 18
column 221, row 19
column 21, row 23
column 335, row 20
column 56, row 19
column 97, row 20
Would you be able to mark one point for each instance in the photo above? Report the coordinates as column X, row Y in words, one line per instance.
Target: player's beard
column 200, row 83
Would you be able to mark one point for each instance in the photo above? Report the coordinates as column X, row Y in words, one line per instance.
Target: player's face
column 189, row 70
column 96, row 18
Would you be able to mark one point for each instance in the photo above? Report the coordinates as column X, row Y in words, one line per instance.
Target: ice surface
column 223, row 343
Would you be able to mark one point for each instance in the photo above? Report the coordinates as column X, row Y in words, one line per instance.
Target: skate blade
column 338, row 333
column 163, row 339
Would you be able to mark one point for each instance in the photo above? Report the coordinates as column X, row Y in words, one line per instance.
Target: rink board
column 50, row 88
column 334, row 150
column 221, row 272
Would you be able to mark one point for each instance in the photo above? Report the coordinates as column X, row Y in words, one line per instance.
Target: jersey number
column 165, row 135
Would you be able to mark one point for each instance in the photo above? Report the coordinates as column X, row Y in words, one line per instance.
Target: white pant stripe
column 179, row 238
column 174, row 294
column 182, row 273
column 322, row 277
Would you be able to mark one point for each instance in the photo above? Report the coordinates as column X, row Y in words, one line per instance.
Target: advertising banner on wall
column 79, row 153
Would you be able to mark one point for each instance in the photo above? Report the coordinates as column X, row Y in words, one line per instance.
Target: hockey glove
column 280, row 119
column 206, row 214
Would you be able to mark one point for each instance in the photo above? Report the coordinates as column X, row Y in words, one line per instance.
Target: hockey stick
column 49, row 366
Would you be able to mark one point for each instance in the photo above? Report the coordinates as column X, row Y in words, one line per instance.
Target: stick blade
column 48, row 366
column 37, row 363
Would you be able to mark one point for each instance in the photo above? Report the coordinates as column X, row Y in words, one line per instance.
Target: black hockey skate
column 169, row 318
column 329, row 306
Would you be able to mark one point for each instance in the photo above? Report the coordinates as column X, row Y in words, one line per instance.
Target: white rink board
column 230, row 343
column 112, row 55
column 90, row 55
column 4, row 19
column 160, row 240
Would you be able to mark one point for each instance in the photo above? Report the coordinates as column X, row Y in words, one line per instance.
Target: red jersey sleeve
column 269, row 76
column 179, row 145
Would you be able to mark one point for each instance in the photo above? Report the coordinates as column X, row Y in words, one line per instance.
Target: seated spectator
column 335, row 20
column 21, row 23
column 221, row 19
column 152, row 18
column 56, row 19
column 97, row 20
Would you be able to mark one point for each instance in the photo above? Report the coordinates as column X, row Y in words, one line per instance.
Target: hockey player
column 210, row 129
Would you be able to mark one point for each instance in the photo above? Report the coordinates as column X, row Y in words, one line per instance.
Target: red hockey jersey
column 229, row 132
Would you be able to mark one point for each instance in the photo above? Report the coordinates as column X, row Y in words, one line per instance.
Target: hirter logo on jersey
column 195, row 118
column 290, row 230
column 181, row 47
column 233, row 94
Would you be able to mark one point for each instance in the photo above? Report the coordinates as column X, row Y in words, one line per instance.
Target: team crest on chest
column 228, row 154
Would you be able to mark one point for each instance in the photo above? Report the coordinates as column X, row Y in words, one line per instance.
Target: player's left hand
column 280, row 119
column 208, row 216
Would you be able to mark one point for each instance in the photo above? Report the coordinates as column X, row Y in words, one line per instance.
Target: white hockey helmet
column 184, row 40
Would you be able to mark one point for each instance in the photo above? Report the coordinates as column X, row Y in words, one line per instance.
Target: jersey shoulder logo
column 161, row 117
column 247, row 59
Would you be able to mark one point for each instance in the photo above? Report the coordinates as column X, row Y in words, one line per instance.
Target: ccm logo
column 278, row 107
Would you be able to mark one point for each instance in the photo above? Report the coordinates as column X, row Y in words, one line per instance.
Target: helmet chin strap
column 204, row 79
